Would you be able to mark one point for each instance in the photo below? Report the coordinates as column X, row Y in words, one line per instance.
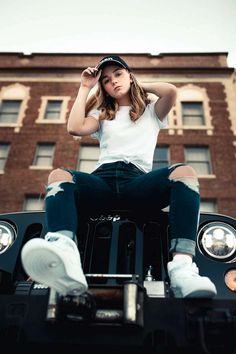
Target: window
column 9, row 111
column 44, row 155
column 4, row 150
column 199, row 159
column 14, row 100
column 192, row 113
column 192, row 110
column 208, row 206
column 161, row 157
column 53, row 109
column 87, row 158
column 33, row 203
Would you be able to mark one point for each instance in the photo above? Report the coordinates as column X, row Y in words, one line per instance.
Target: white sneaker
column 185, row 280
column 55, row 262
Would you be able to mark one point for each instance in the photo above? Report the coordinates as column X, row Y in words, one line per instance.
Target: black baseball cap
column 112, row 59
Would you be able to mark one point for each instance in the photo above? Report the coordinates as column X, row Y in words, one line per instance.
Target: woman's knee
column 59, row 175
column 183, row 171
column 187, row 175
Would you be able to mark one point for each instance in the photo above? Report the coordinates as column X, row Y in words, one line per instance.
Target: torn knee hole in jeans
column 55, row 187
column 190, row 181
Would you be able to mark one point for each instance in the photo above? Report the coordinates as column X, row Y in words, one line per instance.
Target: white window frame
column 5, row 157
column 190, row 93
column 43, row 167
column 16, row 92
column 43, row 108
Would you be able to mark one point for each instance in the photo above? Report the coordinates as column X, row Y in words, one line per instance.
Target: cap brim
column 110, row 62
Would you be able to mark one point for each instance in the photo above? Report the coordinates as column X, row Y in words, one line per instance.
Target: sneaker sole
column 45, row 266
column 201, row 293
column 197, row 293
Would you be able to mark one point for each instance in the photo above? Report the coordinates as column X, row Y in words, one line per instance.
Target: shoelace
column 60, row 241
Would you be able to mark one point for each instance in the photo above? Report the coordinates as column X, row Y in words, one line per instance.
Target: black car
column 129, row 306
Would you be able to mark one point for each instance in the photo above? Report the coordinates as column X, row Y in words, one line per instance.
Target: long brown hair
column 109, row 106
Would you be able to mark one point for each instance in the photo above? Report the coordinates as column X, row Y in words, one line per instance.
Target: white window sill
column 34, row 167
column 2, row 172
column 50, row 121
column 201, row 127
column 207, row 176
column 11, row 125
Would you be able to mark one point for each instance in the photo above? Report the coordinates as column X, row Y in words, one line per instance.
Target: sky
column 122, row 26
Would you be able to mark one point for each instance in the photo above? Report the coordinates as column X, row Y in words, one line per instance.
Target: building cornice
column 143, row 70
column 137, row 61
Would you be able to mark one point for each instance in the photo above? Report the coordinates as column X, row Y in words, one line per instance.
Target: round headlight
column 7, row 236
column 218, row 241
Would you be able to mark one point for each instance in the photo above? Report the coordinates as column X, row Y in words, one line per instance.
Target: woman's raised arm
column 77, row 123
column 167, row 96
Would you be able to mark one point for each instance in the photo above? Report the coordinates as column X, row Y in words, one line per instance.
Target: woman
column 127, row 124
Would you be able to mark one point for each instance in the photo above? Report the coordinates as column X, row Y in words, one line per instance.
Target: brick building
column 37, row 92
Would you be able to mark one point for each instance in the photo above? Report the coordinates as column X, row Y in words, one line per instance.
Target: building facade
column 37, row 92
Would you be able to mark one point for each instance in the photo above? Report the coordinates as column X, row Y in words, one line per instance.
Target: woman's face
column 115, row 81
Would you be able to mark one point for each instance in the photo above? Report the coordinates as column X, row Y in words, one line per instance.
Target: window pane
column 44, row 161
column 45, row 149
column 33, row 203
column 87, row 166
column 9, row 111
column 200, row 167
column 2, row 164
column 158, row 165
column 199, row 159
column 161, row 153
column 88, row 157
column 53, row 110
column 161, row 157
column 44, row 155
column 4, row 150
column 89, row 152
column 197, row 153
column 208, row 206
column 192, row 113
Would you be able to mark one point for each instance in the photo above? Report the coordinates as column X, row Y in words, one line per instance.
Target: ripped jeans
column 121, row 185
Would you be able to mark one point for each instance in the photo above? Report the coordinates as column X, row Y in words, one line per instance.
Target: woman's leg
column 71, row 194
column 176, row 186
column 184, row 218
column 55, row 260
column 61, row 212
column 184, row 210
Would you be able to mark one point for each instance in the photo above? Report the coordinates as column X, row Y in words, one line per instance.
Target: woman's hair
column 108, row 105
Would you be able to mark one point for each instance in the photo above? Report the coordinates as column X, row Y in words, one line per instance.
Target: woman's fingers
column 90, row 76
column 92, row 71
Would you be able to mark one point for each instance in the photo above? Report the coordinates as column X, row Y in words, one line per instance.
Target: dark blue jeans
column 121, row 185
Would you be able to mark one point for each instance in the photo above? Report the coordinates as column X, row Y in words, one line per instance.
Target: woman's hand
column 90, row 77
